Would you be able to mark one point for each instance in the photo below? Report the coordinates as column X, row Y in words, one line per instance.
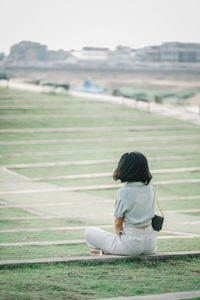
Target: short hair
column 133, row 167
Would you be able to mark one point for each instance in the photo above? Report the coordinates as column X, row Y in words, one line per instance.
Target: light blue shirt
column 136, row 204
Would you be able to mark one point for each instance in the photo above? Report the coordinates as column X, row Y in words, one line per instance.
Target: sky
column 73, row 24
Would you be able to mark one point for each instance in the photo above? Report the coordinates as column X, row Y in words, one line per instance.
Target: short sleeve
column 120, row 205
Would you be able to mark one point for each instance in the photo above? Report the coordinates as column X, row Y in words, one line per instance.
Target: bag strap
column 158, row 203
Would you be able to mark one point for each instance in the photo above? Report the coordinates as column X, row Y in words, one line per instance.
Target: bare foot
column 95, row 252
column 98, row 252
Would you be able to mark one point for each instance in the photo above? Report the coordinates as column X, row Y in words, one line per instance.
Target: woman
column 134, row 210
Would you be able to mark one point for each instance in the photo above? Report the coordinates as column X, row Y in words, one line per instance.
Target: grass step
column 92, row 279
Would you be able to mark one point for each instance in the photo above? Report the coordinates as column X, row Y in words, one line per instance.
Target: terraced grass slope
column 53, row 143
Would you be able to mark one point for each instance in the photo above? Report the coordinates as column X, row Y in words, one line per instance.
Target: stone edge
column 101, row 258
column 164, row 296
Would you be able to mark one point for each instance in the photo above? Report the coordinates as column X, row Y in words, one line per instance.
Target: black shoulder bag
column 157, row 221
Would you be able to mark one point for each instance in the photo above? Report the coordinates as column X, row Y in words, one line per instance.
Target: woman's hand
column 119, row 224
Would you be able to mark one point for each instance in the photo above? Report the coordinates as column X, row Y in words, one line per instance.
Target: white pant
column 131, row 241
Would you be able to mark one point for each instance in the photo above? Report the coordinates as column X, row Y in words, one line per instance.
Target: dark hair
column 133, row 166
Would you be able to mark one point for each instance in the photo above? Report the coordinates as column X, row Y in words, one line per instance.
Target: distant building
column 27, row 51
column 171, row 54
column 30, row 53
column 94, row 53
column 122, row 56
column 57, row 55
column 148, row 54
column 2, row 56
column 180, row 52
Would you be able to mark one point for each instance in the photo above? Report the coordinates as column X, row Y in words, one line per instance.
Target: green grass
column 168, row 164
column 65, row 122
column 193, row 213
column 181, row 227
column 41, row 236
column 92, row 280
column 174, row 176
column 180, row 204
column 184, row 189
column 40, row 223
column 28, row 252
column 98, row 112
column 14, row 212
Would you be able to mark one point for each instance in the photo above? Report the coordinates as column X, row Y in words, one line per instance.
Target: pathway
column 176, row 112
column 171, row 111
column 165, row 296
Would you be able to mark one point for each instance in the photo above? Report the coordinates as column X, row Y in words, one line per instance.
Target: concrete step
column 166, row 296
column 103, row 258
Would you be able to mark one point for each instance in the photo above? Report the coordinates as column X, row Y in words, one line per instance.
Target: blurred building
column 180, row 52
column 150, row 54
column 122, row 56
column 27, row 51
column 94, row 53
column 173, row 52
column 28, row 54
column 90, row 57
